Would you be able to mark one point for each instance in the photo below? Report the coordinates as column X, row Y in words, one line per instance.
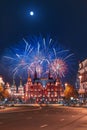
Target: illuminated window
column 50, row 99
column 52, row 89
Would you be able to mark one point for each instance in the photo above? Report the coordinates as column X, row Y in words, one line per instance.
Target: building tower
column 27, row 87
column 21, row 89
column 35, row 75
column 13, row 88
column 82, row 76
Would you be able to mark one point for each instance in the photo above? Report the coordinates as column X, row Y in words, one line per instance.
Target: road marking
column 45, row 125
column 61, row 119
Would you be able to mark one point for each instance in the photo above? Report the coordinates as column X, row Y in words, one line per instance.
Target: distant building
column 39, row 90
column 43, row 90
column 13, row 88
column 17, row 92
column 82, row 76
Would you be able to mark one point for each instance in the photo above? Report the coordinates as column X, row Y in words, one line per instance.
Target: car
column 2, row 107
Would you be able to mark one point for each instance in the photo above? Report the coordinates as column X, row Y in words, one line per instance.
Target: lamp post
column 81, row 89
column 80, row 79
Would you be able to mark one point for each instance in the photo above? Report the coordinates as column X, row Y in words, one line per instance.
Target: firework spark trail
column 54, row 52
column 50, row 41
column 9, row 58
column 63, row 51
column 45, row 60
column 19, row 61
column 44, row 42
column 68, row 56
column 26, row 47
column 58, row 67
column 38, row 47
column 30, row 57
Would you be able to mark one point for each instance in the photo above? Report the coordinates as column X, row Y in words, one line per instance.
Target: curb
column 18, row 111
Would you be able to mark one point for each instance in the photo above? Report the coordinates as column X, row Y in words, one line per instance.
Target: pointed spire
column 14, row 84
column 20, row 80
column 49, row 74
column 29, row 74
column 13, row 81
column 35, row 75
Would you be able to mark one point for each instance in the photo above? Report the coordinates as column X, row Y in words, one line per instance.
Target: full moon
column 31, row 13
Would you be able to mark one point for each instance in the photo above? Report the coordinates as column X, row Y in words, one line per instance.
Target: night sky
column 65, row 20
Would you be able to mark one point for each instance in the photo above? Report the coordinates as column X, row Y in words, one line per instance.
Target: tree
column 69, row 91
column 1, row 91
column 5, row 93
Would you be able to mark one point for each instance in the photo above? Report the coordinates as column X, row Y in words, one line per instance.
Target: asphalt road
column 46, row 118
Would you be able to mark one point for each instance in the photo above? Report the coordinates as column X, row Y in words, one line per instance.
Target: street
column 45, row 118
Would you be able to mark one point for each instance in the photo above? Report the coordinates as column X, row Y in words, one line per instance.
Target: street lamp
column 80, row 77
column 66, row 84
column 81, row 89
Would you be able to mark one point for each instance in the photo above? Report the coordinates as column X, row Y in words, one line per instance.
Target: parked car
column 2, row 107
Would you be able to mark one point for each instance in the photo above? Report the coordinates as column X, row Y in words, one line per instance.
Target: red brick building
column 44, row 90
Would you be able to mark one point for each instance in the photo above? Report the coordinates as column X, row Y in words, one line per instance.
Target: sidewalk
column 19, row 109
column 7, row 109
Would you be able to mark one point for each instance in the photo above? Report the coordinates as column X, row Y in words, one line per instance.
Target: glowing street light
column 80, row 77
column 66, row 84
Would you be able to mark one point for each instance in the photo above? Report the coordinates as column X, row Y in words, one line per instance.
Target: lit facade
column 44, row 90
column 39, row 90
column 17, row 92
column 82, row 76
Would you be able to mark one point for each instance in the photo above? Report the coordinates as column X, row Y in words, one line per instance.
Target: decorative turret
column 21, row 88
column 20, row 81
column 13, row 85
column 35, row 75
column 13, row 88
column 49, row 75
column 29, row 80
